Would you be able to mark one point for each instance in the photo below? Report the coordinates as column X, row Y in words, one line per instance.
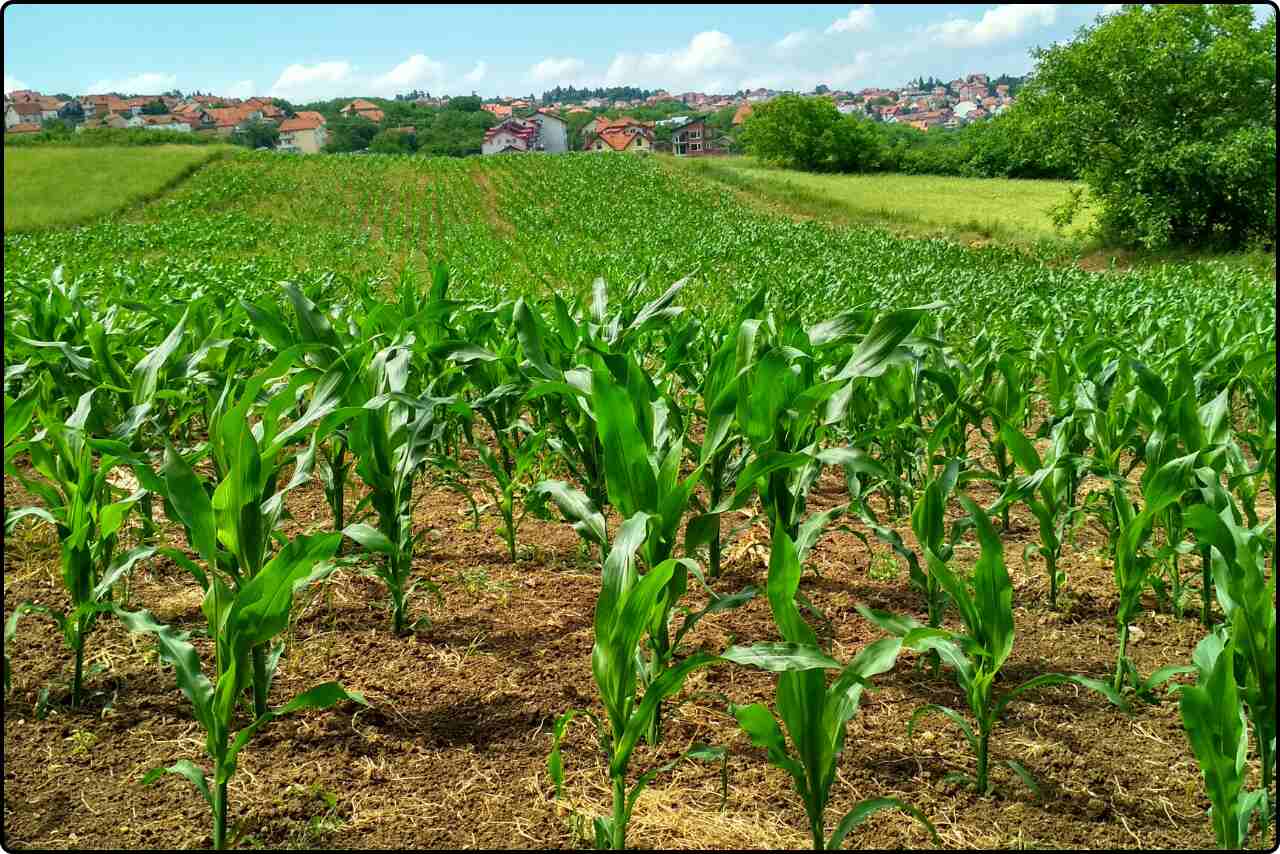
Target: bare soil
column 451, row 752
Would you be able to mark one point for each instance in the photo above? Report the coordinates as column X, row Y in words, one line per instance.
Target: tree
column 155, row 108
column 852, row 145
column 257, row 134
column 465, row 103
column 791, row 131
column 349, row 134
column 1169, row 114
column 392, row 142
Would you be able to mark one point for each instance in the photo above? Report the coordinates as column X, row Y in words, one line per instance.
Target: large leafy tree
column 791, row 131
column 1168, row 112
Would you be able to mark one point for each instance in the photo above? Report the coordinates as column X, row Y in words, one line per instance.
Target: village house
column 742, row 114
column 166, row 122
column 621, row 137
column 502, row 111
column 23, row 112
column 23, row 127
column 510, row 135
column 361, row 107
column 543, row 131
column 691, row 140
column 303, row 134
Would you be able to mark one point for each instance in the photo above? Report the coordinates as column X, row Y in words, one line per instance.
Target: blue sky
column 310, row 52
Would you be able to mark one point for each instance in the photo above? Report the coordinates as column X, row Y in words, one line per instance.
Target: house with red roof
column 303, row 134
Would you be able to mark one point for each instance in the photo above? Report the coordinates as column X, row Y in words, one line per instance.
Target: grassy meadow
column 50, row 187
column 1009, row 211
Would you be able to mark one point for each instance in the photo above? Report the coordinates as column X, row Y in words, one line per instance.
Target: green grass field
column 1009, row 211
column 46, row 187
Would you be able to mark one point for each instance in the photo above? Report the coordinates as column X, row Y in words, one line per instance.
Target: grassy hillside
column 1006, row 210
column 46, row 187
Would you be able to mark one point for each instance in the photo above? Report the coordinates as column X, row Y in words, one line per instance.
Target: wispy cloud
column 684, row 67
column 478, row 73
column 417, row 72
column 792, row 42
column 557, row 70
column 858, row 20
column 147, row 83
column 321, row 80
column 997, row 25
column 240, row 89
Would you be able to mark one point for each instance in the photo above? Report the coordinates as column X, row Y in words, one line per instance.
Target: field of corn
column 565, row 501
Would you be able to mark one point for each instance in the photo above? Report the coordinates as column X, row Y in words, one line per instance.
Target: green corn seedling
column 1248, row 598
column 815, row 715
column 393, row 439
column 89, row 514
column 1214, row 720
column 977, row 654
column 1046, row 490
column 239, row 622
column 627, row 606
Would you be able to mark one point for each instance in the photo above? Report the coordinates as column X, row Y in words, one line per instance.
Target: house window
column 695, row 134
column 695, row 146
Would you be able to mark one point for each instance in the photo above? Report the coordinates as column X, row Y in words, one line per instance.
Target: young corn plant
column 1248, row 598
column 785, row 408
column 239, row 621
column 815, row 715
column 1213, row 717
column 643, row 452
column 248, row 501
column 627, row 606
column 1133, row 560
column 1046, row 490
column 977, row 654
column 393, row 439
column 89, row 514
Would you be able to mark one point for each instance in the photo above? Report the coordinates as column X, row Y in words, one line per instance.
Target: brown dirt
column 452, row 751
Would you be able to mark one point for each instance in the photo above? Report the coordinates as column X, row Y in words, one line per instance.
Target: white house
column 553, row 132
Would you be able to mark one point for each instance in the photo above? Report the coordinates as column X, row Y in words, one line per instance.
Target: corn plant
column 815, row 715
column 785, row 406
column 1213, row 717
column 1046, row 489
column 977, row 654
column 240, row 621
column 643, row 452
column 627, row 607
column 1248, row 598
column 393, row 440
column 89, row 514
column 1133, row 562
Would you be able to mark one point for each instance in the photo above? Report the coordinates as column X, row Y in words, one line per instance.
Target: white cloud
column 147, row 83
column 478, row 73
column 305, row 83
column 240, row 89
column 12, row 83
column 998, row 24
column 1111, row 7
column 683, row 69
column 793, row 41
column 557, row 70
column 417, row 72
column 848, row 75
column 856, row 21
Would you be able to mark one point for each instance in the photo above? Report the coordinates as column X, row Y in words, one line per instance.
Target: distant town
column 561, row 120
